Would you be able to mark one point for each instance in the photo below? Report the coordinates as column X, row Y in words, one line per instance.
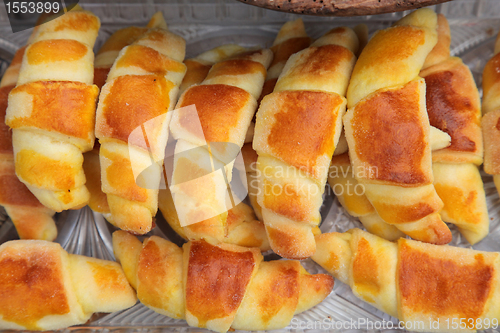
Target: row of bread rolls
column 133, row 207
column 452, row 102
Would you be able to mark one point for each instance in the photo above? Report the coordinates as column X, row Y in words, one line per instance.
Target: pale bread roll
column 52, row 110
column 133, row 130
column 205, row 154
column 31, row 219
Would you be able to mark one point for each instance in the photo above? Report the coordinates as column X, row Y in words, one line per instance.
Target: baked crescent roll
column 104, row 60
column 31, row 219
column 297, row 129
column 45, row 288
column 351, row 194
column 387, row 128
column 52, row 110
column 491, row 115
column 210, row 126
column 219, row 287
column 414, row 281
column 132, row 125
column 453, row 106
column 291, row 39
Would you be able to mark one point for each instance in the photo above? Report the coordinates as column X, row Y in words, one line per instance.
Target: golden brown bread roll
column 414, row 281
column 52, row 110
column 491, row 115
column 31, row 219
column 297, row 129
column 453, row 106
column 291, row 39
column 218, row 286
column 131, row 161
column 45, row 288
column 210, row 126
column 351, row 194
column 387, row 128
column 104, row 60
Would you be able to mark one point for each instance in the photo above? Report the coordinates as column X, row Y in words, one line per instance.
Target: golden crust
column 389, row 132
column 216, row 280
column 149, row 60
column 63, row 107
column 32, row 222
column 436, row 272
column 12, row 191
column 54, row 50
column 272, row 297
column 453, row 107
column 461, row 189
column 120, row 177
column 220, row 107
column 165, row 42
column 82, row 25
column 393, row 56
column 41, row 171
column 288, row 238
column 325, row 68
column 282, row 132
column 125, row 107
column 239, row 66
column 159, row 277
column 32, row 285
column 373, row 270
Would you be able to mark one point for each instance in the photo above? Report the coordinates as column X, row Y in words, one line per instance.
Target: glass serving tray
column 207, row 24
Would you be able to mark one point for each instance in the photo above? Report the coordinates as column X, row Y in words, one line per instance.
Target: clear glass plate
column 208, row 24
